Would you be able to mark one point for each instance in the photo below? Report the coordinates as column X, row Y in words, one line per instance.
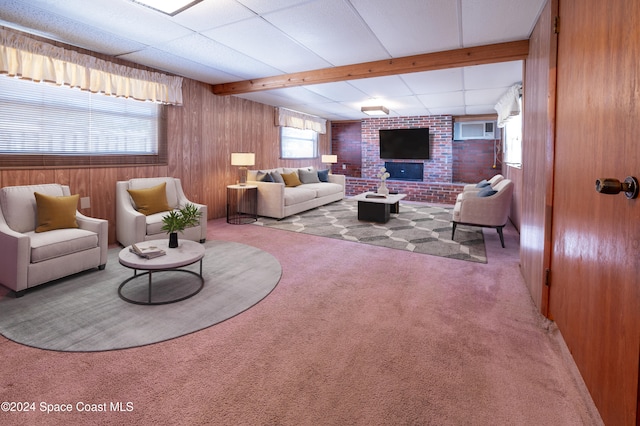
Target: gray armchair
column 29, row 255
column 133, row 226
column 477, row 208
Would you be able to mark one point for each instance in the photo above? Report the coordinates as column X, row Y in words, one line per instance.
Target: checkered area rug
column 419, row 228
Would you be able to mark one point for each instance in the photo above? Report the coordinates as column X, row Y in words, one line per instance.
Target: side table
column 242, row 204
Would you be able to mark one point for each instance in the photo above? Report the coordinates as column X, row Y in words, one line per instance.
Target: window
column 297, row 143
column 47, row 125
column 513, row 140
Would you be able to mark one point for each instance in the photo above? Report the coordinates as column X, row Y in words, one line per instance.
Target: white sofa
column 29, row 258
column 278, row 201
column 133, row 226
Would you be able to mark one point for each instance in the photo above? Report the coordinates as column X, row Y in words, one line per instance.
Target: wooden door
column 595, row 262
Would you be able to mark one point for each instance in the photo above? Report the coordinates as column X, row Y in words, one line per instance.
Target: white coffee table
column 375, row 208
column 187, row 253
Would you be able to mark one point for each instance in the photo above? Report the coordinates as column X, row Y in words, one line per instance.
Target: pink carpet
column 352, row 335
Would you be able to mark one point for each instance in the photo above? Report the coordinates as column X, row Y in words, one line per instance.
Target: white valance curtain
column 299, row 120
column 35, row 60
column 508, row 105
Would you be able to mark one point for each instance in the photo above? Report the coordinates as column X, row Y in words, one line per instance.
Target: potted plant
column 178, row 220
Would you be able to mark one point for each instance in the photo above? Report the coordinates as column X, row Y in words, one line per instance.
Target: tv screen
column 404, row 143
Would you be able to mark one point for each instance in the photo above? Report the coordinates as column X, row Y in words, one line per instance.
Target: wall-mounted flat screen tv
column 406, row 144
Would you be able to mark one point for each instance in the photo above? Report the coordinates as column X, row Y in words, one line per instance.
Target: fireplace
column 405, row 171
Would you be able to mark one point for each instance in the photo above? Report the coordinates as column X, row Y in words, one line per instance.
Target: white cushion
column 323, row 189
column 297, row 195
column 154, row 223
column 60, row 242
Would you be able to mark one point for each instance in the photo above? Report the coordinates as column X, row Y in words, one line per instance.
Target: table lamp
column 329, row 159
column 243, row 159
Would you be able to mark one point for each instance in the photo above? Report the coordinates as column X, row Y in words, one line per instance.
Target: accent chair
column 43, row 237
column 140, row 205
column 488, row 208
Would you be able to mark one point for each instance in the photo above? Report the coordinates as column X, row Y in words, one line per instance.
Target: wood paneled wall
column 202, row 134
column 537, row 153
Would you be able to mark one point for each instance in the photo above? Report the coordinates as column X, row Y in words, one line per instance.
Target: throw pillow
column 56, row 212
column 483, row 183
column 277, row 177
column 308, row 176
column 291, row 179
column 486, row 192
column 267, row 177
column 323, row 175
column 150, row 200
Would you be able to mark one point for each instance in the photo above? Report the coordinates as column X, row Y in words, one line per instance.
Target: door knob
column 614, row 186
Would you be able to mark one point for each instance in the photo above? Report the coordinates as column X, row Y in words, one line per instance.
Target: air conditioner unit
column 464, row 130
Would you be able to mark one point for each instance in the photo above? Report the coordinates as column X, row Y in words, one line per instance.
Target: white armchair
column 29, row 258
column 133, row 226
column 491, row 211
column 478, row 186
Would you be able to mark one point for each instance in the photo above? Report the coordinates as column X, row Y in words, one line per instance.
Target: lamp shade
column 329, row 158
column 243, row 159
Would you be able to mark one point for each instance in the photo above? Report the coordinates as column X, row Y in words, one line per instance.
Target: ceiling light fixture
column 375, row 110
column 169, row 7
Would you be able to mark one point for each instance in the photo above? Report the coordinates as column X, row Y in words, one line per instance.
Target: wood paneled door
column 595, row 262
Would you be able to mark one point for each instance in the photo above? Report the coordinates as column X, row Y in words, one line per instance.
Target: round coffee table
column 187, row 253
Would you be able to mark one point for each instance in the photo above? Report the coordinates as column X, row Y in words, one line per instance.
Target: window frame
column 512, row 149
column 283, row 140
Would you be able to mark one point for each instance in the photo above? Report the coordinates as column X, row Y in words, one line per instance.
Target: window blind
column 47, row 120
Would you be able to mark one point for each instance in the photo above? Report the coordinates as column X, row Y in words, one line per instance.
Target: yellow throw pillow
column 56, row 212
column 151, row 200
column 291, row 179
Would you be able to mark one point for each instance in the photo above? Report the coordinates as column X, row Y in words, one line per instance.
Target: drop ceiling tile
column 404, row 102
column 449, row 111
column 128, row 20
column 167, row 62
column 380, row 87
column 414, row 26
column 266, row 98
column 479, row 109
column 410, row 112
column 331, row 29
column 494, row 21
column 493, row 75
column 27, row 18
column 212, row 54
column 483, row 96
column 440, row 81
column 337, row 108
column 440, row 100
column 265, row 6
column 260, row 40
column 301, row 95
column 340, row 91
column 212, row 13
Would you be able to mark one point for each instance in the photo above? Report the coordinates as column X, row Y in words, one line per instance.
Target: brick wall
column 436, row 169
column 452, row 163
column 474, row 160
column 346, row 143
